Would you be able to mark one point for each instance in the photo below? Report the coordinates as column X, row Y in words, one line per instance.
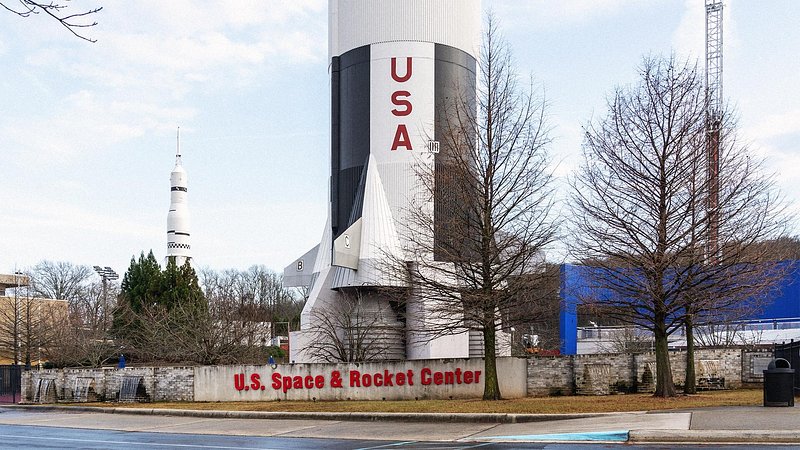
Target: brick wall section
column 72, row 376
column 753, row 365
column 160, row 383
column 602, row 374
column 723, row 363
column 29, row 389
column 550, row 376
column 175, row 384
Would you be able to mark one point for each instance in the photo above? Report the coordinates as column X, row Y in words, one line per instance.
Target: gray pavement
column 749, row 424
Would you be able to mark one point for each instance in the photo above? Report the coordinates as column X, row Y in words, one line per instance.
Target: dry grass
column 530, row 405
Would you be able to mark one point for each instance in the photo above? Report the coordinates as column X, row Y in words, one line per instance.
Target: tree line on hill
column 156, row 315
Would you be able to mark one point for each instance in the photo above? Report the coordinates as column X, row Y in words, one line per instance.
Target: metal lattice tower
column 714, row 58
column 713, row 119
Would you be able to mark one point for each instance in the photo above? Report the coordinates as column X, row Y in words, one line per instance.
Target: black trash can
column 779, row 383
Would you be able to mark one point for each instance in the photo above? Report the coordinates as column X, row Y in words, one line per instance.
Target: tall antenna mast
column 178, row 151
column 713, row 119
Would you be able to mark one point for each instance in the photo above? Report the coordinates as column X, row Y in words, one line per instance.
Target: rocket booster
column 397, row 69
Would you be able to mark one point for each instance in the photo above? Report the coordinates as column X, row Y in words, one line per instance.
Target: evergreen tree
column 156, row 303
column 179, row 287
column 141, row 285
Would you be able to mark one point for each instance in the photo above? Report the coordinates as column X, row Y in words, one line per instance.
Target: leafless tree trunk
column 479, row 255
column 636, row 217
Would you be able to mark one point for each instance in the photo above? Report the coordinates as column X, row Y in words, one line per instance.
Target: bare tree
column 257, row 293
column 352, row 330
column 477, row 259
column 639, row 214
column 74, row 22
column 28, row 325
column 234, row 325
column 59, row 280
column 187, row 334
column 627, row 340
column 81, row 337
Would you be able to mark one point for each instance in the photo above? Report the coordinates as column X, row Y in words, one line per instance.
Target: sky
column 88, row 130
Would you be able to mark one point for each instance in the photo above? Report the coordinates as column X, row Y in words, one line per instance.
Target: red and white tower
column 714, row 104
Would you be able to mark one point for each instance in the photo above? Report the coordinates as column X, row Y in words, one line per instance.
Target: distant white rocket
column 178, row 242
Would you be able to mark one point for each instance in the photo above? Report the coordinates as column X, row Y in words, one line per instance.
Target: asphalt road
column 74, row 429
column 45, row 437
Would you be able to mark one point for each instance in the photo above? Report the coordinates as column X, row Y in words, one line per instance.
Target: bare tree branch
column 478, row 258
column 71, row 22
column 348, row 330
column 639, row 216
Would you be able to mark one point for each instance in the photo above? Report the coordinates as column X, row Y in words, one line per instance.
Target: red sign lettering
column 357, row 379
column 398, row 100
column 428, row 376
column 401, row 138
column 255, row 381
column 238, row 381
column 397, row 77
column 404, row 106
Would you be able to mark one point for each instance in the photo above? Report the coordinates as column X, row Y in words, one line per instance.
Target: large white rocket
column 178, row 242
column 395, row 65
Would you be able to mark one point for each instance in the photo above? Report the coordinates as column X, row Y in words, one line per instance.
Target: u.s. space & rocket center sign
column 355, row 379
column 452, row 378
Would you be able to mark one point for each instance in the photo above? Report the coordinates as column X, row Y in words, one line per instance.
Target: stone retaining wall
column 160, row 383
column 599, row 374
column 420, row 379
column 602, row 374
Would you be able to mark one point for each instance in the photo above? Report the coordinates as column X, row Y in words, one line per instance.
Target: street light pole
column 17, row 273
column 106, row 273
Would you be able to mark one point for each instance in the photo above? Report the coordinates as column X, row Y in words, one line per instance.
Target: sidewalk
column 745, row 424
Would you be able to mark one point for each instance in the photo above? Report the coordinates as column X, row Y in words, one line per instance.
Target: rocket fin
column 304, row 270
column 379, row 242
column 300, row 272
column 347, row 247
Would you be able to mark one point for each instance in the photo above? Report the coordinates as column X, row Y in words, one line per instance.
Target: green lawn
column 529, row 405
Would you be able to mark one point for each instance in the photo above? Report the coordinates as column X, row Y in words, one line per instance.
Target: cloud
column 688, row 40
column 689, row 37
column 548, row 14
column 775, row 125
column 46, row 228
column 84, row 123
column 147, row 64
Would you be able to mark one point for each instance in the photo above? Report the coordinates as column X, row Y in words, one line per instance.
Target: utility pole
column 713, row 121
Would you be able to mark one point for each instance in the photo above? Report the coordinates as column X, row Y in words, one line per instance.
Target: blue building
column 781, row 312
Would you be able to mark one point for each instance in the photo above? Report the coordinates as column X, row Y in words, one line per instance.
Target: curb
column 341, row 416
column 715, row 436
column 617, row 436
